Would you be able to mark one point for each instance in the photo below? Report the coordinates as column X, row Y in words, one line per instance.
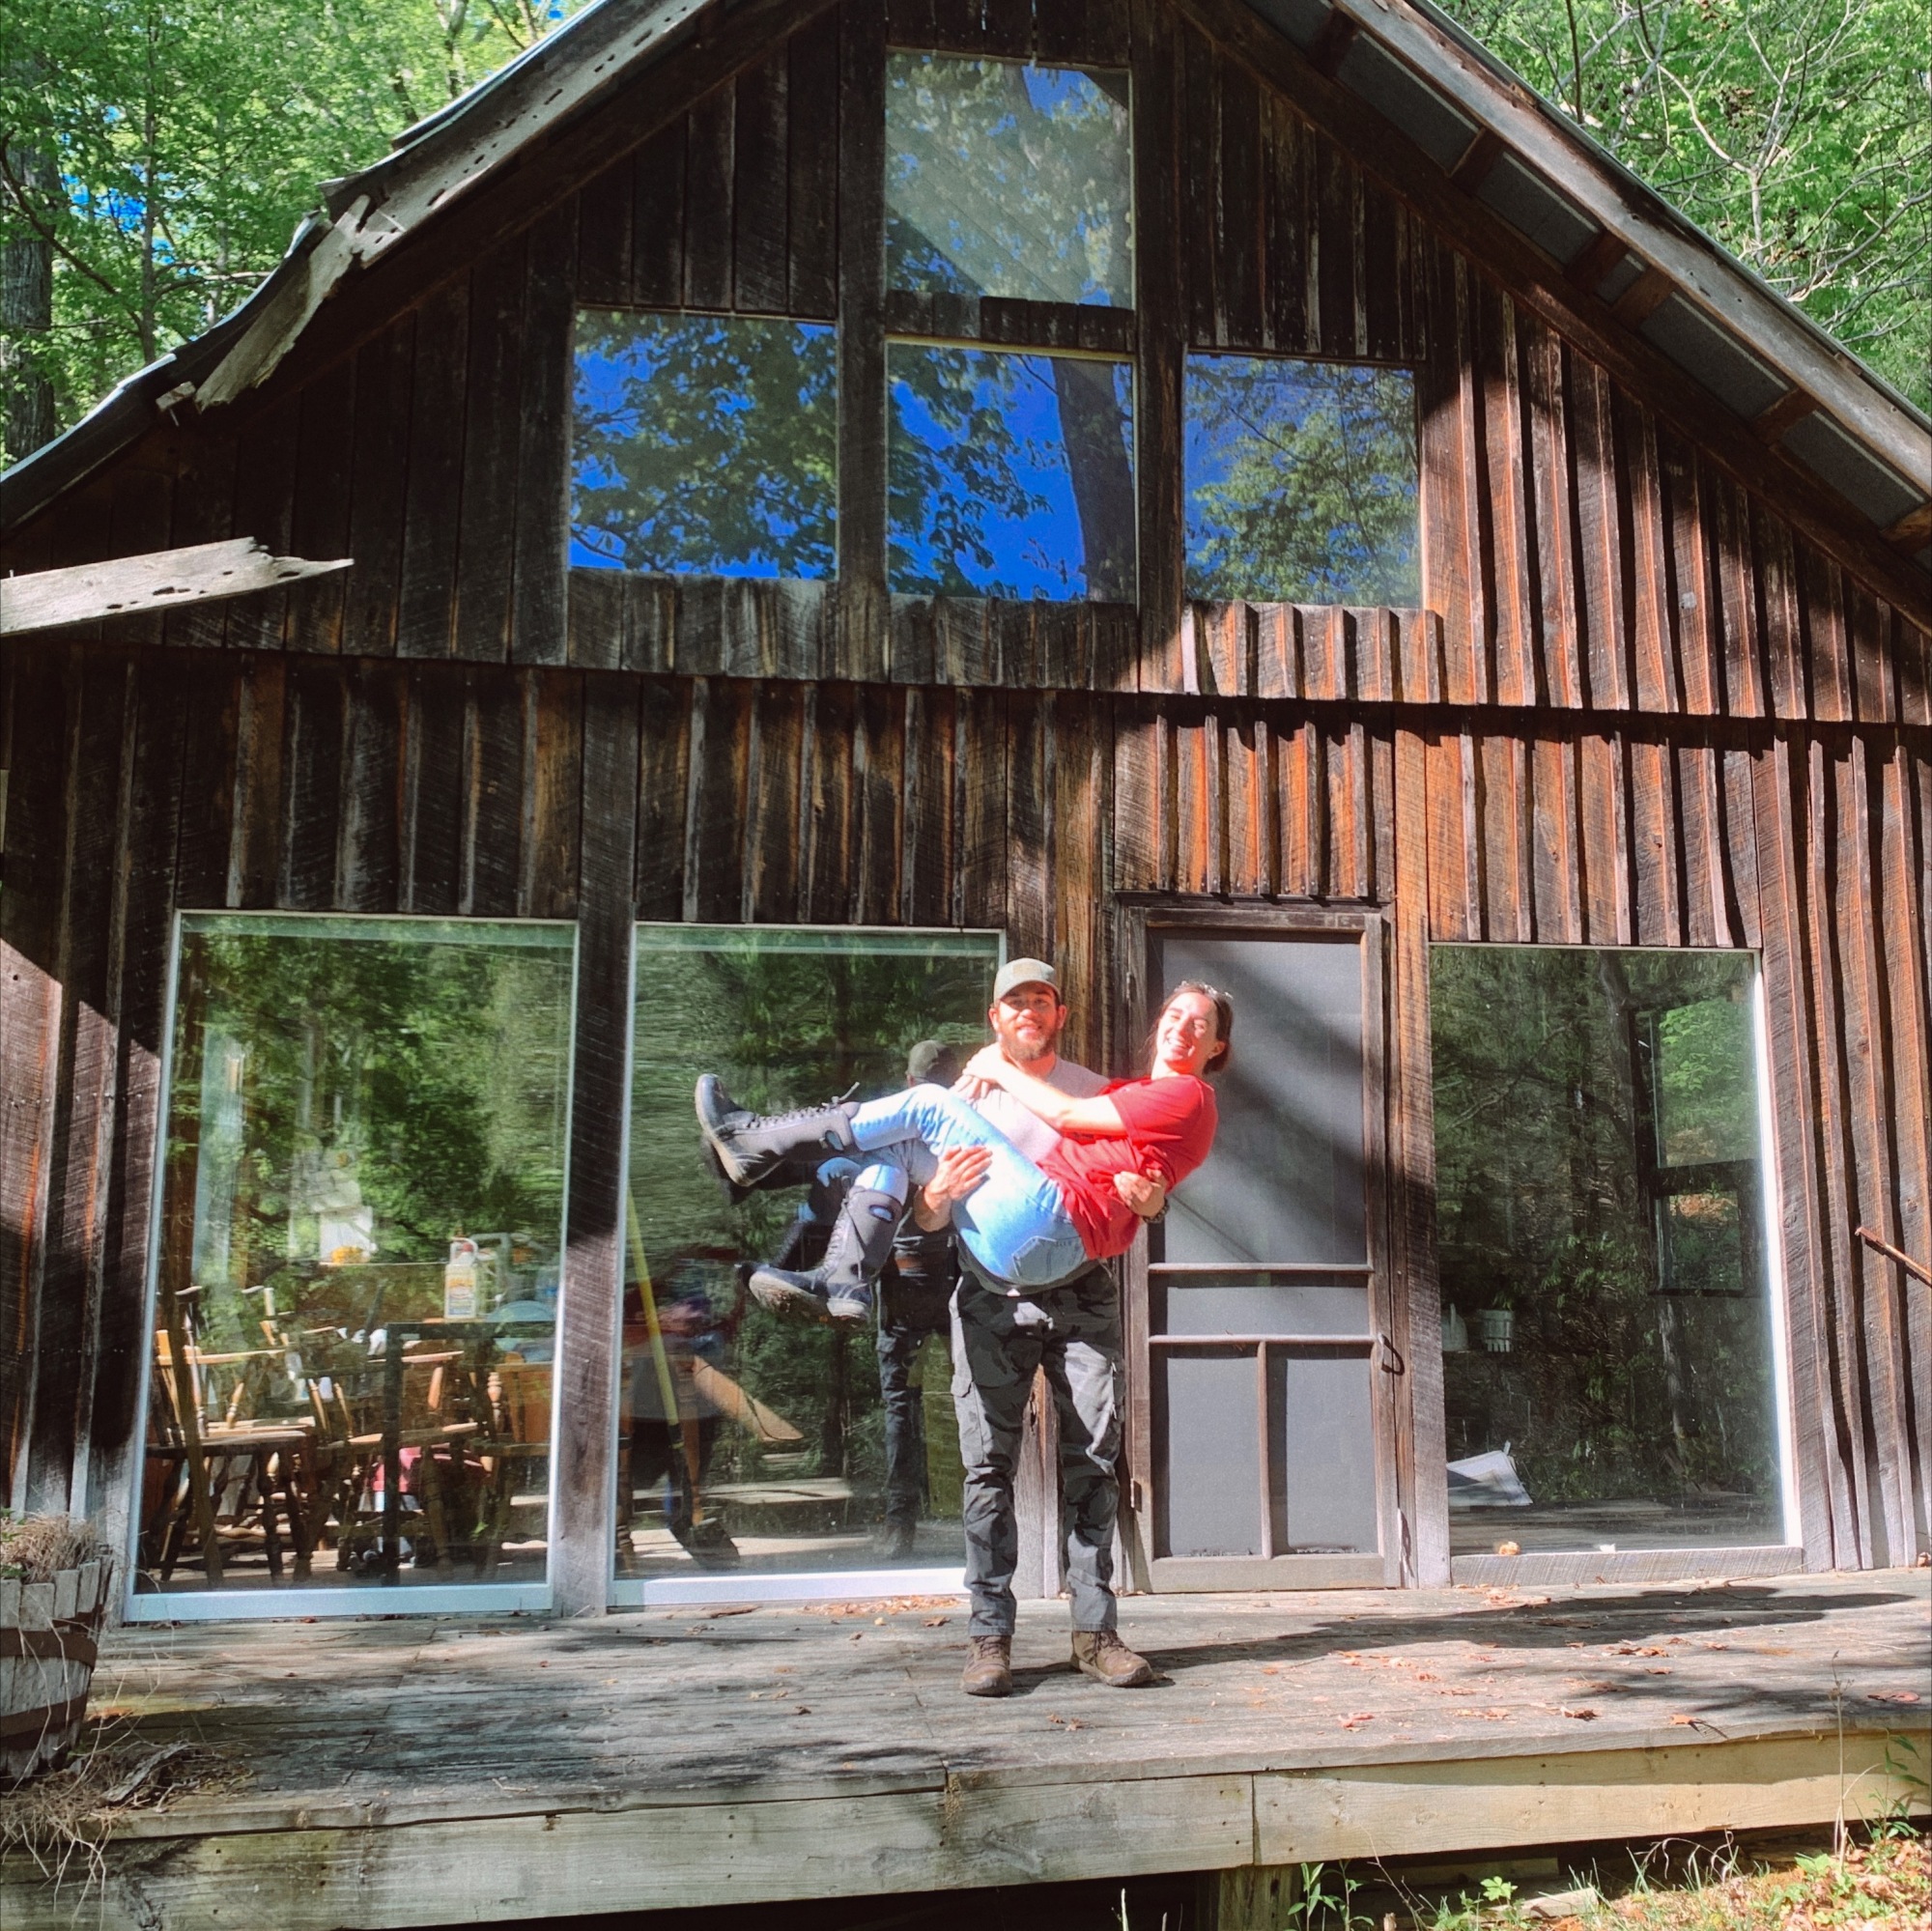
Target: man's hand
column 1142, row 1196
column 959, row 1170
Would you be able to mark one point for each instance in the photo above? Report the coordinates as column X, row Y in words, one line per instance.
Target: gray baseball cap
column 1024, row 972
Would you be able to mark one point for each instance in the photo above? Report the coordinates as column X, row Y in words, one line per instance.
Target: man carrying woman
column 1032, row 1235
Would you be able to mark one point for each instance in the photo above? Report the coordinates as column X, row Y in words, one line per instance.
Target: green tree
column 1796, row 131
column 155, row 155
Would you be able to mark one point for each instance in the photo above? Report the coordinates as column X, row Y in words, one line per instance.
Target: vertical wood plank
column 1556, row 872
column 551, row 831
column 714, row 802
column 708, row 213
column 1654, row 843
column 499, row 747
column 1688, row 596
column 1030, row 825
column 1513, row 533
column 1335, row 248
column 1286, row 227
column 1870, row 1182
column 811, row 178
column 1742, row 652
column 760, row 244
column 1655, row 685
column 1705, row 916
column 1821, row 605
column 1200, row 165
column 1558, row 627
column 663, row 768
column 589, row 1352
column 368, row 846
column 1162, row 340
column 657, row 213
column 538, row 613
column 1870, row 644
column 319, row 523
column 1783, row 629
column 604, row 222
column 254, row 853
column 312, row 785
column 1606, row 844
column 1824, row 1504
column 1422, row 1487
column 492, row 429
column 145, row 917
column 982, row 765
column 1604, row 569
column 1239, row 208
column 1137, row 806
column 378, row 496
column 863, row 628
column 434, row 791
column 434, row 488
column 266, row 463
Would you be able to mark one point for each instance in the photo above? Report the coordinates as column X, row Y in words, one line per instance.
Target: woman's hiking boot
column 989, row 1668
column 839, row 1288
column 748, row 1148
column 1101, row 1655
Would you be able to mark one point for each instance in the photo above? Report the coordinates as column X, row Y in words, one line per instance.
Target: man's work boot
column 898, row 1539
column 1101, row 1655
column 839, row 1288
column 989, row 1669
column 749, row 1148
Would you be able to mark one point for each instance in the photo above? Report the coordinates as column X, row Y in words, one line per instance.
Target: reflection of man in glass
column 675, row 1388
column 915, row 1304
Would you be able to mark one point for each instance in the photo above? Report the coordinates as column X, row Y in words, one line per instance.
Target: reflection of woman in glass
column 1025, row 1225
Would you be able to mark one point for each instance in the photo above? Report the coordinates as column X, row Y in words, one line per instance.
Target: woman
column 1028, row 1226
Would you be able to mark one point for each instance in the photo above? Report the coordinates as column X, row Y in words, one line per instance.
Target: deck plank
column 686, row 1756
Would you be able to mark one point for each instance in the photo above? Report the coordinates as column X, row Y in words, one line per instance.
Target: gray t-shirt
column 1028, row 1131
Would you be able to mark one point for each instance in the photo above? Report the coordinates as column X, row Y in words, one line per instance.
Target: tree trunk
column 26, row 314
column 1095, row 429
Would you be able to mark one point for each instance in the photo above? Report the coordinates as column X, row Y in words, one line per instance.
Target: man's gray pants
column 1073, row 1332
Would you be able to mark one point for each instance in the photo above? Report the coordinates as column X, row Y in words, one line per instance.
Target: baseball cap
column 932, row 1059
column 1024, row 972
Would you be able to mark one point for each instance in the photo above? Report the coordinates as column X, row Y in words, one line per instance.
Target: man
column 915, row 1303
column 1000, row 1336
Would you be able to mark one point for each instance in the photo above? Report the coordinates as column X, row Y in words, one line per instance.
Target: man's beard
column 1025, row 1049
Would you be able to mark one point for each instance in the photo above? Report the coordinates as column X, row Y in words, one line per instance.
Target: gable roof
column 1612, row 238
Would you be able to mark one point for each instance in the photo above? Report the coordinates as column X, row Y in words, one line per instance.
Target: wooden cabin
column 828, row 496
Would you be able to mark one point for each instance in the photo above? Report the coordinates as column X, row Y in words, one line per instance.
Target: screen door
column 1262, row 1434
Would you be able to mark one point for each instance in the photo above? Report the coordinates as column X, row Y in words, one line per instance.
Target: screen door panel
column 1263, row 1347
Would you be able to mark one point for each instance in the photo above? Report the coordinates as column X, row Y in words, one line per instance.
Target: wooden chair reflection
column 520, row 1400
column 221, row 1473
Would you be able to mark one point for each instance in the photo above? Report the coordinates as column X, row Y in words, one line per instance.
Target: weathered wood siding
column 1640, row 707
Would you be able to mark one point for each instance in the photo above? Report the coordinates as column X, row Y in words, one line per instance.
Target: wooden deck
column 478, row 1769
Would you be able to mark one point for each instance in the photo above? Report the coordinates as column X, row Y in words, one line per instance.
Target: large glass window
column 355, row 1315
column 1302, row 482
column 1606, row 1316
column 1011, row 475
column 1008, row 180
column 705, row 445
column 744, row 1441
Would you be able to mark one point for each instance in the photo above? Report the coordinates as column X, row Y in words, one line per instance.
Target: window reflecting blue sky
column 1007, row 180
column 704, row 445
column 1011, row 475
column 1302, row 482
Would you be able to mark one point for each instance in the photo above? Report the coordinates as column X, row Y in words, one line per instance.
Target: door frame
column 1140, row 921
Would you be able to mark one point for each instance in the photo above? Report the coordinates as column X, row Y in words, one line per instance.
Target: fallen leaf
column 1581, row 1715
column 937, row 1621
column 1356, row 1721
column 1684, row 1719
column 1894, row 1696
column 801, row 1710
column 743, row 1609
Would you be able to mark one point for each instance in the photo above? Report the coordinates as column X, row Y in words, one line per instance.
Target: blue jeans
column 1015, row 1223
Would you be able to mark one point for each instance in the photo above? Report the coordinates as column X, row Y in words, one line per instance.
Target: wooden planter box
column 48, row 1631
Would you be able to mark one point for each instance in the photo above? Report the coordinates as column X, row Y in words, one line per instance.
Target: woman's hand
column 1142, row 1196
column 987, row 1068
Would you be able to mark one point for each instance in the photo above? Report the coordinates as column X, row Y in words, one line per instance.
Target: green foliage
column 1795, row 131
column 1301, row 483
column 705, row 445
column 165, row 150
column 785, row 1020
column 426, row 1084
column 1614, row 1389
